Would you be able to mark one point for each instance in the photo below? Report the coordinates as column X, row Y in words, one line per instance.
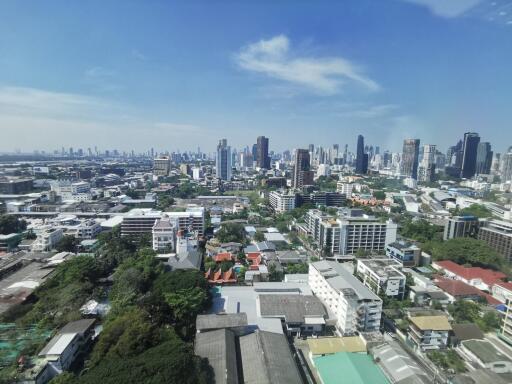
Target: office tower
column 410, row 154
column 262, row 160
column 254, row 152
column 361, row 157
column 506, row 169
column 311, row 148
column 461, row 226
column 302, row 175
column 161, row 166
column 427, row 167
column 223, row 160
column 483, row 159
column 469, row 151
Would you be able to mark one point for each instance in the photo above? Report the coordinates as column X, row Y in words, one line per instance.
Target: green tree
column 11, row 224
column 379, row 195
column 67, row 244
column 259, row 236
column 477, row 210
column 231, row 232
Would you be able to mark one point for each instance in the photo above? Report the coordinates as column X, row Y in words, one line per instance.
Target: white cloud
column 34, row 118
column 326, row 75
column 139, row 55
column 99, row 72
column 368, row 112
column 447, row 8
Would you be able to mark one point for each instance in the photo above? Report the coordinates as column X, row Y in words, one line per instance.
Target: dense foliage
column 231, row 232
column 420, row 230
column 11, row 224
column 465, row 250
column 464, row 311
column 146, row 336
column 477, row 210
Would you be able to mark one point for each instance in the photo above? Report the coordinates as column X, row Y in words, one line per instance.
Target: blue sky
column 182, row 74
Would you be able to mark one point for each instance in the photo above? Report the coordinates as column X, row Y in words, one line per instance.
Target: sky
column 177, row 75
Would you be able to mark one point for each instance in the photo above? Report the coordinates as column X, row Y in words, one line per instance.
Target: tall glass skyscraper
column 410, row 154
column 361, row 157
column 469, row 152
column 223, row 160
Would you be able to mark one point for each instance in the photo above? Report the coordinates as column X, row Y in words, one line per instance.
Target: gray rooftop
column 479, row 376
column 343, row 281
column 224, row 320
column 266, row 359
column 293, row 308
column 467, row 331
column 485, row 351
column 186, row 260
column 219, row 347
column 397, row 365
column 79, row 326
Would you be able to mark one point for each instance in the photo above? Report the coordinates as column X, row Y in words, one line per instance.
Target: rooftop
column 488, row 276
column 327, row 345
column 293, row 308
column 435, row 323
column 224, row 320
column 467, row 331
column 485, row 351
column 346, row 367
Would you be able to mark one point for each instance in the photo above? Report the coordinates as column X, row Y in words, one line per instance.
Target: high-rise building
column 461, row 226
column 483, row 159
column 302, row 175
column 427, row 167
column 361, row 157
column 410, row 154
column 263, row 160
column 223, row 160
column 469, row 151
column 506, row 169
column 161, row 166
column 498, row 235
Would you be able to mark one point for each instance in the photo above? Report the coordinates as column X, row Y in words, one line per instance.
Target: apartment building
column 164, row 235
column 356, row 307
column 506, row 323
column 429, row 332
column 350, row 231
column 498, row 235
column 345, row 188
column 405, row 252
column 382, row 276
column 47, row 239
column 141, row 220
column 161, row 166
column 281, row 201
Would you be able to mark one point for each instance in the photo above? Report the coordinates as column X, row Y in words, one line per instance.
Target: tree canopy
column 231, row 232
column 11, row 224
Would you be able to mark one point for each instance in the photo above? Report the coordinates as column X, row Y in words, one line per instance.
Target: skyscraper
column 262, row 160
column 483, row 158
column 410, row 153
column 223, row 160
column 302, row 175
column 361, row 157
column 469, row 151
column 426, row 169
column 506, row 170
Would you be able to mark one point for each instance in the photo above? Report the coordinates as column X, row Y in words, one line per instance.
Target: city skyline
column 143, row 75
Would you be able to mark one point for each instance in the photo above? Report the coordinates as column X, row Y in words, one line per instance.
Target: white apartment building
column 282, row 202
column 346, row 188
column 161, row 166
column 350, row 231
column 68, row 191
column 356, row 307
column 164, row 234
column 141, row 220
column 88, row 229
column 502, row 291
column 47, row 239
column 382, row 276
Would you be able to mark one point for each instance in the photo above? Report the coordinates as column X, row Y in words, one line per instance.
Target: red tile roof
column 225, row 256
column 488, row 276
column 220, row 277
column 252, row 255
column 457, row 288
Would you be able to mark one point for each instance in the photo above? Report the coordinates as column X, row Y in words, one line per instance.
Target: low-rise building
column 487, row 356
column 382, row 276
column 47, row 239
column 505, row 331
column 356, row 307
column 502, row 291
column 429, row 332
column 164, row 234
column 480, row 278
column 461, row 226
